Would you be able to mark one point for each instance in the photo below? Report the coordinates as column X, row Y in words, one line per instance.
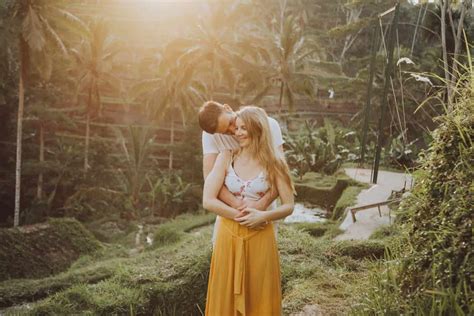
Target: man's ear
column 228, row 108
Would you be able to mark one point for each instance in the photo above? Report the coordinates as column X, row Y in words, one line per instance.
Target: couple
column 245, row 171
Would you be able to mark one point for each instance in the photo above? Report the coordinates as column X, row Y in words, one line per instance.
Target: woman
column 244, row 277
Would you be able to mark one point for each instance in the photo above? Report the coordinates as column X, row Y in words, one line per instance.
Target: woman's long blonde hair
column 261, row 146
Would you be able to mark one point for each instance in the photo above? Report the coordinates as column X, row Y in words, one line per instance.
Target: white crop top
column 252, row 189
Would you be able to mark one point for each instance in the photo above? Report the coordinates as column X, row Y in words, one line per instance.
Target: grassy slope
column 173, row 279
column 44, row 249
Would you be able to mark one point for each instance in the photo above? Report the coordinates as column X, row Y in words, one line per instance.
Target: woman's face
column 241, row 133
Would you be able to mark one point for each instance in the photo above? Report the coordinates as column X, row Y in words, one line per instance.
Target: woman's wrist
column 265, row 214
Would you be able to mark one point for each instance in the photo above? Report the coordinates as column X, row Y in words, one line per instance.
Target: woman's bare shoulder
column 224, row 157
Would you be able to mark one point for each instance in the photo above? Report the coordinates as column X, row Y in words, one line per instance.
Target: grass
column 44, row 249
column 385, row 232
column 333, row 193
column 312, row 277
column 172, row 279
column 347, row 199
column 328, row 229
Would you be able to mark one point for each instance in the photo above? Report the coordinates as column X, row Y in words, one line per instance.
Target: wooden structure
column 354, row 210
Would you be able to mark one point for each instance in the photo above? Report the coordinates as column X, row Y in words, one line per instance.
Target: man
column 218, row 124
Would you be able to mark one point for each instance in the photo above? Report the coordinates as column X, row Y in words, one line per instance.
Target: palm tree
column 35, row 22
column 284, row 50
column 219, row 44
column 94, row 59
column 175, row 87
column 136, row 148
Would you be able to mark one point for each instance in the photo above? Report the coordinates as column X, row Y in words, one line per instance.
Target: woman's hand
column 252, row 218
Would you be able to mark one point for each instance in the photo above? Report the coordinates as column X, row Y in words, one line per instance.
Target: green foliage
column 170, row 195
column 385, row 232
column 401, row 153
column 313, row 150
column 430, row 267
column 92, row 203
column 44, row 249
column 439, row 213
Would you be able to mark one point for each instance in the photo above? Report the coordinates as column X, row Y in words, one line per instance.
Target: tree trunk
column 213, row 71
column 170, row 163
column 280, row 104
column 457, row 48
column 445, row 50
column 88, row 131
column 19, row 132
column 86, row 149
column 39, row 192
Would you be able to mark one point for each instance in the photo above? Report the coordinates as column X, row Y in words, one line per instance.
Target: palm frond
column 32, row 30
column 54, row 36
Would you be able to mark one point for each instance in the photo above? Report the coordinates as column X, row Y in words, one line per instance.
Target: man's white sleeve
column 275, row 130
column 208, row 144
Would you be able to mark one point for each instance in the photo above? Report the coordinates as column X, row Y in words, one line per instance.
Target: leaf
column 32, row 31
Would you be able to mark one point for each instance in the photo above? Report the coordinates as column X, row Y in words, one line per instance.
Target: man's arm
column 225, row 196
column 214, row 181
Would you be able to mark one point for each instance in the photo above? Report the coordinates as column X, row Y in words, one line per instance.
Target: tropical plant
column 136, row 149
column 311, row 150
column 175, row 87
column 94, row 61
column 219, row 44
column 35, row 23
column 170, row 195
column 283, row 52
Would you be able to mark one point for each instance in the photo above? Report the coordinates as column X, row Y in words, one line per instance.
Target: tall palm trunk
column 170, row 162
column 88, row 131
column 444, row 8
column 213, row 71
column 280, row 103
column 19, row 132
column 39, row 192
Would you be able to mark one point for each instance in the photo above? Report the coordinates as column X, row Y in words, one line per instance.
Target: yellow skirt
column 244, row 279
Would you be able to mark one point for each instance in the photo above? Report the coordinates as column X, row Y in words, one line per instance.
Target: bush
column 432, row 261
column 313, row 150
column 439, row 213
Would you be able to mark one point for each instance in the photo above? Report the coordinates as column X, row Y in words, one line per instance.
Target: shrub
column 439, row 213
column 432, row 262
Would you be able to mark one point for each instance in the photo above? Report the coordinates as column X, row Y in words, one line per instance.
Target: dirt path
column 369, row 220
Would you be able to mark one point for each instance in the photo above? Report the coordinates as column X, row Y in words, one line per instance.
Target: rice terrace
column 236, row 157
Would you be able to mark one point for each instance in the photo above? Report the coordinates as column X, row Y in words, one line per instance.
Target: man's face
column 226, row 122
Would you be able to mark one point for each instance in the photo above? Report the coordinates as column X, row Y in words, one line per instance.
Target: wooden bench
column 356, row 209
